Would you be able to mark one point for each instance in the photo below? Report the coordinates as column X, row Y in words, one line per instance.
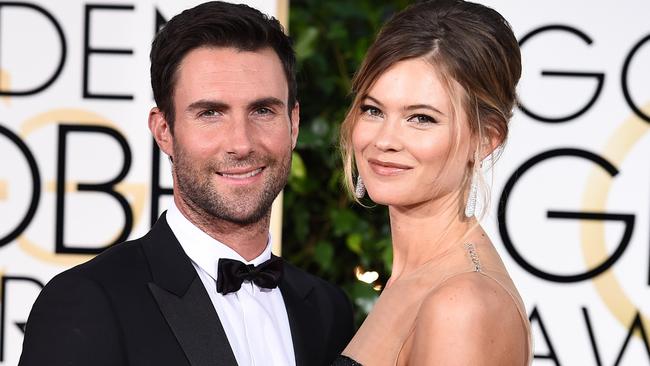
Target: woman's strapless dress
column 345, row 361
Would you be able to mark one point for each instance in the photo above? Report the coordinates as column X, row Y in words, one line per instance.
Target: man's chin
column 241, row 213
column 244, row 219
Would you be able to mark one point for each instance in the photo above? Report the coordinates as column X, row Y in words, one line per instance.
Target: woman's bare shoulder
column 469, row 319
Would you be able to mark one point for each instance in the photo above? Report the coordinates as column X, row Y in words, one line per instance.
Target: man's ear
column 161, row 131
column 295, row 124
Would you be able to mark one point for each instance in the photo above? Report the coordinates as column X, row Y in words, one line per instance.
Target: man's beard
column 240, row 205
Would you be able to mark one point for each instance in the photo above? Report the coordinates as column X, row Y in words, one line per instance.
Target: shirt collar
column 203, row 249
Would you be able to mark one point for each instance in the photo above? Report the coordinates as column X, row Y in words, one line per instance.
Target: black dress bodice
column 345, row 361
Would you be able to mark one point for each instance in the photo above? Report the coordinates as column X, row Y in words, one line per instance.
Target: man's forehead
column 232, row 72
column 224, row 58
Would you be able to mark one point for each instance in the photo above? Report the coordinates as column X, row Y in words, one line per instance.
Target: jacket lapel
column 183, row 301
column 307, row 330
column 195, row 325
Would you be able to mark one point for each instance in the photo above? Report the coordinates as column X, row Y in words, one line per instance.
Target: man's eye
column 263, row 110
column 208, row 113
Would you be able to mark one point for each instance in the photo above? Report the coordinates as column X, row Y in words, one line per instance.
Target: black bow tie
column 231, row 273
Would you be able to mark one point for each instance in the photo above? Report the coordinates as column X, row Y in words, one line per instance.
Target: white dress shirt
column 254, row 318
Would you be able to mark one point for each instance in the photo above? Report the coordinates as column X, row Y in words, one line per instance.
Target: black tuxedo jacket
column 142, row 303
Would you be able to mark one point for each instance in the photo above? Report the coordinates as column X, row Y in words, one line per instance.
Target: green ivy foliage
column 324, row 232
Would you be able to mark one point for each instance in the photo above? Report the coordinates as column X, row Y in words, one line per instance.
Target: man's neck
column 248, row 240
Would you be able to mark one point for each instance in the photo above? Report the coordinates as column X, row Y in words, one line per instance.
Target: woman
column 432, row 100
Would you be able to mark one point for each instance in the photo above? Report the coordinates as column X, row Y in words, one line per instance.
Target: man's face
column 233, row 136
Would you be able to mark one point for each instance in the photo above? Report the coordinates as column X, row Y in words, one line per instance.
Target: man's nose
column 239, row 139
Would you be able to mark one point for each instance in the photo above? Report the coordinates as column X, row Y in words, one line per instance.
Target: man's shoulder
column 329, row 304
column 123, row 256
column 74, row 316
column 300, row 274
column 308, row 280
column 118, row 263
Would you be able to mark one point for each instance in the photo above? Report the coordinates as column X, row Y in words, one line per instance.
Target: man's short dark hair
column 215, row 24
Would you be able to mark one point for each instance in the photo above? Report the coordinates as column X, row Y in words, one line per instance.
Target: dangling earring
column 360, row 188
column 470, row 207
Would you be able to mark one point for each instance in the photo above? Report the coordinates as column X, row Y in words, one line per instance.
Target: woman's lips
column 387, row 167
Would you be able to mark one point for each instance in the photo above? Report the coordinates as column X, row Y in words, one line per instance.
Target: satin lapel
column 307, row 331
column 195, row 325
column 183, row 300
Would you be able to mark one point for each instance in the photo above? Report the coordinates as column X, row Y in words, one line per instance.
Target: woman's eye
column 422, row 118
column 371, row 111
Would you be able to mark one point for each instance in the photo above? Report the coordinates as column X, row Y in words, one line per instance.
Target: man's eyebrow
column 205, row 104
column 267, row 102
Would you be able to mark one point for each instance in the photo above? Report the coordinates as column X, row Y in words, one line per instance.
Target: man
column 224, row 84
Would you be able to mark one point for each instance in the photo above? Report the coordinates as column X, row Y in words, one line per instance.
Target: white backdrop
column 576, row 172
column 574, row 230
column 74, row 101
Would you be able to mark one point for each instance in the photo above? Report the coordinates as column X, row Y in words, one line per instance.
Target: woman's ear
column 492, row 139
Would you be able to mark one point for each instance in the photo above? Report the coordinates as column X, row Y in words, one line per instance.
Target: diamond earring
column 359, row 189
column 470, row 207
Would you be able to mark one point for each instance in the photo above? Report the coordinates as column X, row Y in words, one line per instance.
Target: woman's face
column 404, row 135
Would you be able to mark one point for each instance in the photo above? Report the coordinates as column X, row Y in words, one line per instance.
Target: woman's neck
column 424, row 232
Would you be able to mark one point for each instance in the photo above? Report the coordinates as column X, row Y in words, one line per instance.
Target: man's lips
column 240, row 173
column 381, row 167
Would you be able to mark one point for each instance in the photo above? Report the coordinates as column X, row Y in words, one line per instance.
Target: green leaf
column 298, row 175
column 304, row 46
column 344, row 221
column 353, row 241
column 298, row 169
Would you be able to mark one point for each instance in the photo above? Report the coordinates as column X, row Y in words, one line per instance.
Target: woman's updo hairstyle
column 477, row 58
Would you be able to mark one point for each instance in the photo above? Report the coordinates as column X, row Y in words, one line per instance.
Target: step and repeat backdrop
column 79, row 170
column 570, row 194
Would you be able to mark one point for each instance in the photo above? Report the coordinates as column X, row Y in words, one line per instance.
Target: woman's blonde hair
column 476, row 56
